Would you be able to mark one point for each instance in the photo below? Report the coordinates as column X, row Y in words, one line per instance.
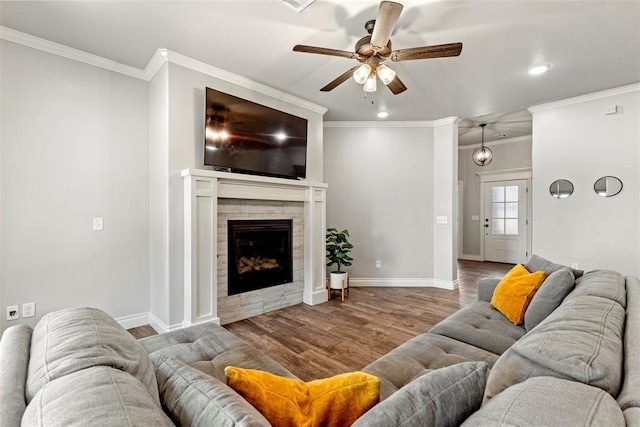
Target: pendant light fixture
column 482, row 156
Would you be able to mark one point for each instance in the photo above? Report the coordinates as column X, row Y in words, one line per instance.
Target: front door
column 505, row 221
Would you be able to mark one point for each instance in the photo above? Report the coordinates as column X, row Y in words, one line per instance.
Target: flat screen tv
column 245, row 137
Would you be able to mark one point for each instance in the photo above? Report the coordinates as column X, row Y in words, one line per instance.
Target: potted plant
column 338, row 248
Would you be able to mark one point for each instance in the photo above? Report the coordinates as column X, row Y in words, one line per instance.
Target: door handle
column 486, row 225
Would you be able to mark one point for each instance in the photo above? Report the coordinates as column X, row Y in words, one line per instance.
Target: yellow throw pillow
column 335, row 401
column 515, row 291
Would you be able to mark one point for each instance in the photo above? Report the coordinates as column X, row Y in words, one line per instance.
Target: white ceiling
column 591, row 46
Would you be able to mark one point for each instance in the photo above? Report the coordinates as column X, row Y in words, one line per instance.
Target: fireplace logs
column 246, row 265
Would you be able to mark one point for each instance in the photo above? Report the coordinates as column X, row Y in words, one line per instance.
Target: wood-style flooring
column 328, row 339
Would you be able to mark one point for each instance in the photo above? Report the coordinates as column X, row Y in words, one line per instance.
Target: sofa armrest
column 486, row 287
column 15, row 348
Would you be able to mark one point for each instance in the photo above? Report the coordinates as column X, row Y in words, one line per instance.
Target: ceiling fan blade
column 426, row 52
column 396, row 86
column 338, row 81
column 388, row 16
column 325, row 51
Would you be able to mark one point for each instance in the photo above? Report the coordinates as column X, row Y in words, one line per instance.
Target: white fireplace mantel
column 202, row 189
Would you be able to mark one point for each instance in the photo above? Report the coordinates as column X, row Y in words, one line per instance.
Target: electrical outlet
column 98, row 224
column 13, row 313
column 29, row 309
column 378, row 264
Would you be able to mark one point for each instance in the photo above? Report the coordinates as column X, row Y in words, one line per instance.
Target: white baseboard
column 134, row 320
column 160, row 326
column 471, row 257
column 314, row 298
column 186, row 324
column 403, row 283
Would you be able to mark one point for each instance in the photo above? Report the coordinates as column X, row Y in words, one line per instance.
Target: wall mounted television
column 245, row 137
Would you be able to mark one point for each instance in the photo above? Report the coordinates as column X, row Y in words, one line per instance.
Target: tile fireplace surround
column 210, row 199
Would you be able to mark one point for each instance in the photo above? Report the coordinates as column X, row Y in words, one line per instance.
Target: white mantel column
column 445, row 179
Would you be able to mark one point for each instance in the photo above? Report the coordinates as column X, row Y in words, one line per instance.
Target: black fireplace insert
column 260, row 254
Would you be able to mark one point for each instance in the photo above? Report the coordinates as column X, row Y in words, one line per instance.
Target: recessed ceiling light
column 383, row 114
column 539, row 69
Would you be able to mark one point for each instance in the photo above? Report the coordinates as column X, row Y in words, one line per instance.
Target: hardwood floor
column 327, row 339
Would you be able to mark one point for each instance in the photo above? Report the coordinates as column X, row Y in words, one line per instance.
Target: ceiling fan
column 374, row 49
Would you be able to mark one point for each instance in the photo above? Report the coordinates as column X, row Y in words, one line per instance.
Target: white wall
column 575, row 140
column 381, row 189
column 509, row 155
column 74, row 147
column 184, row 148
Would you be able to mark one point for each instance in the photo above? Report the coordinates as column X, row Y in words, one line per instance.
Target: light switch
column 475, row 217
column 441, row 219
column 98, row 224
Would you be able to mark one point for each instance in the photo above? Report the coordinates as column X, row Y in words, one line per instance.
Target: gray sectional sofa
column 574, row 364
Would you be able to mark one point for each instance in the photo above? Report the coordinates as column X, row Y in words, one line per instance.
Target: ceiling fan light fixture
column 386, row 74
column 482, row 156
column 371, row 84
column 362, row 73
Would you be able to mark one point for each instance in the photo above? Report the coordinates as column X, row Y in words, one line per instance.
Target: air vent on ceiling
column 501, row 135
column 297, row 5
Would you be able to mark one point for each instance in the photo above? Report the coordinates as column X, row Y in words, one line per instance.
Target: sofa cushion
column 547, row 401
column 630, row 394
column 211, row 348
column 480, row 325
column 419, row 356
column 442, row 398
column 96, row 396
column 486, row 287
column 632, row 416
column 548, row 297
column 70, row 340
column 537, row 263
column 515, row 291
column 601, row 283
column 331, row 402
column 14, row 360
column 194, row 399
column 581, row 340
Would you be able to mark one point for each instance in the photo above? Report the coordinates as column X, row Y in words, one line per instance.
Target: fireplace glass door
column 260, row 254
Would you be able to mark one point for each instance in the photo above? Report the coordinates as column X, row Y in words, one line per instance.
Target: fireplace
column 260, row 254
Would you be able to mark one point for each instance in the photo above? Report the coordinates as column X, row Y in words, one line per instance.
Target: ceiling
column 591, row 45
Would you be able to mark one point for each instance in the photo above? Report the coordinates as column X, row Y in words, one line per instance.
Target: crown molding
column 447, row 121
column 375, row 124
column 392, row 124
column 153, row 66
column 210, row 70
column 498, row 142
column 585, row 98
column 69, row 52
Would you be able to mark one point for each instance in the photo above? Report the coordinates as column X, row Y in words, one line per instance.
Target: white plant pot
column 337, row 279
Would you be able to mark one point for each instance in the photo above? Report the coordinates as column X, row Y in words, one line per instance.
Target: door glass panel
column 498, row 226
column 505, row 210
column 511, row 210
